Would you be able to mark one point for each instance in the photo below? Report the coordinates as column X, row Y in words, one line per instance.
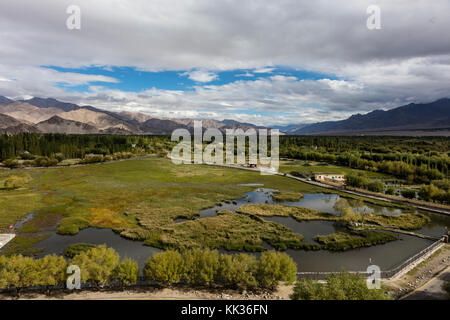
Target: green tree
column 166, row 268
column 201, row 266
column 274, row 267
column 51, row 271
column 342, row 286
column 97, row 265
column 375, row 186
column 127, row 272
column 408, row 193
column 238, row 270
column 390, row 190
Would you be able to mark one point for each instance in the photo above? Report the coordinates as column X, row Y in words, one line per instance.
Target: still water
column 386, row 256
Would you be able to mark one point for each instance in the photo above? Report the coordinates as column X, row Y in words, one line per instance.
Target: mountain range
column 412, row 119
column 48, row 115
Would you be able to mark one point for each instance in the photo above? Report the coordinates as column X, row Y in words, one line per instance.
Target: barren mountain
column 98, row 119
column 28, row 113
column 58, row 125
column 51, row 103
column 7, row 121
column 135, row 117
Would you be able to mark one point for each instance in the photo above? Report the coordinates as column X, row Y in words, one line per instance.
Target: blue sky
column 131, row 79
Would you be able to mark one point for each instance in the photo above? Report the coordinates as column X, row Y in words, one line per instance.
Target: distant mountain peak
column 413, row 116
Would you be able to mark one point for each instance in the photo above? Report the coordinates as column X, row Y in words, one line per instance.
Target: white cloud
column 264, row 70
column 408, row 60
column 200, row 75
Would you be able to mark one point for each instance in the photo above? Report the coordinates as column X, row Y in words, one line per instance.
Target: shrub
column 14, row 182
column 390, row 190
column 408, row 193
column 274, row 267
column 97, row 265
column 45, row 162
column 77, row 248
column 201, row 266
column 343, row 286
column 238, row 271
column 72, row 225
column 166, row 268
column 127, row 272
column 11, row 163
column 375, row 186
column 355, row 180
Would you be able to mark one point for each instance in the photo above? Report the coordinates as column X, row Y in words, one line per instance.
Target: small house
column 337, row 177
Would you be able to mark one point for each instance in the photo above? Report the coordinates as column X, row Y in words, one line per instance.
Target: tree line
column 101, row 266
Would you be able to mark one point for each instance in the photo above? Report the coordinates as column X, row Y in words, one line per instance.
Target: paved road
column 432, row 290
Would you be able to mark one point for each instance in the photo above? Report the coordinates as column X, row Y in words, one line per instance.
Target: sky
column 264, row 62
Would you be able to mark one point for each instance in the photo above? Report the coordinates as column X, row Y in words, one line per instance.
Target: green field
column 139, row 198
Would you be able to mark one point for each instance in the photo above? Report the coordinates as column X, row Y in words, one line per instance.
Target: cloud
column 263, row 70
column 247, row 74
column 200, row 76
column 408, row 60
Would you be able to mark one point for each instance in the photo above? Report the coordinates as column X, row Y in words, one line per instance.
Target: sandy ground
column 282, row 293
column 421, row 274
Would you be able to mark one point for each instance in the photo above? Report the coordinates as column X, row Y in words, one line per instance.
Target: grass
column 342, row 241
column 286, row 196
column 229, row 231
column 298, row 213
column 124, row 196
column 75, row 249
column 141, row 198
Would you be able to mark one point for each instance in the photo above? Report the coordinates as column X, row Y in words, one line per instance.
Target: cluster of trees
column 100, row 266
column 103, row 158
column 419, row 160
column 343, row 286
column 207, row 267
column 77, row 146
column 438, row 191
column 360, row 181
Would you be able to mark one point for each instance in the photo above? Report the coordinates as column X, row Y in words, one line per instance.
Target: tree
column 238, row 270
column 11, row 163
column 274, row 267
column 355, row 180
column 166, row 268
column 97, row 265
column 201, row 266
column 342, row 286
column 390, row 190
column 127, row 272
column 375, row 186
column 51, row 271
column 408, row 193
